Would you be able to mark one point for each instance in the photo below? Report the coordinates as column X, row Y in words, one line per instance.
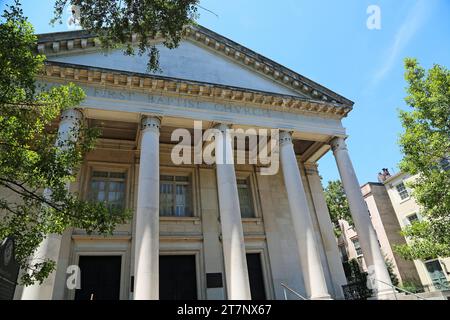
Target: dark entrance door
column 177, row 278
column 256, row 278
column 100, row 278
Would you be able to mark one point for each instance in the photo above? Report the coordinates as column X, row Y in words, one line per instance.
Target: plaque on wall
column 214, row 280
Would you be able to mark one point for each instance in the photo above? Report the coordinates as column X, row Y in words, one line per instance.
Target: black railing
column 356, row 291
column 437, row 286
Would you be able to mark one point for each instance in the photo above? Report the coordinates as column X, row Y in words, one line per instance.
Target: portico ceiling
column 128, row 131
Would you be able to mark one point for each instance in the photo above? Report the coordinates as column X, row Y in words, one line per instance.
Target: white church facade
column 202, row 231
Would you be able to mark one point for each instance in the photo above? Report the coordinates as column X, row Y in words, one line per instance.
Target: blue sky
column 328, row 42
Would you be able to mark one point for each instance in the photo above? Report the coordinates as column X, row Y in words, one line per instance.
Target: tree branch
column 27, row 193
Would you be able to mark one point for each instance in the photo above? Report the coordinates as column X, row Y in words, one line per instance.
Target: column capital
column 285, row 137
column 71, row 114
column 222, row 127
column 338, row 144
column 150, row 123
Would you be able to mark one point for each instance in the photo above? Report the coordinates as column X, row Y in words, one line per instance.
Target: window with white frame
column 245, row 198
column 402, row 191
column 412, row 218
column 175, row 196
column 357, row 246
column 108, row 187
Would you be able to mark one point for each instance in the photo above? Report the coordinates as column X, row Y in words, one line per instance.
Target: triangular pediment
column 189, row 61
column 203, row 56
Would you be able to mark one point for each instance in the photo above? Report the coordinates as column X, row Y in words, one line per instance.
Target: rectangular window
column 357, row 246
column 402, row 192
column 175, row 196
column 412, row 218
column 108, row 187
column 245, row 198
column 437, row 275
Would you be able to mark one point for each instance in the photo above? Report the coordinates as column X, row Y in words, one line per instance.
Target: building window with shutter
column 175, row 196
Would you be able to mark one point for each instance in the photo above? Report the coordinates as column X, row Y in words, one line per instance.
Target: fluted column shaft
column 236, row 273
column 373, row 256
column 50, row 246
column 326, row 230
column 146, row 255
column 313, row 274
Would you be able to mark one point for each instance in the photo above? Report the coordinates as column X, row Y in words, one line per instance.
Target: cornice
column 264, row 65
column 74, row 41
column 59, row 71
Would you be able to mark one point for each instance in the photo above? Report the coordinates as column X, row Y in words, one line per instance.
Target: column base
column 38, row 292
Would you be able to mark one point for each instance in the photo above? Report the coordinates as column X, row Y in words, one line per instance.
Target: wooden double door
column 100, row 277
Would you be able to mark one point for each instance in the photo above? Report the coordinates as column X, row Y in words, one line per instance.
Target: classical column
column 236, row 273
column 378, row 272
column 146, row 253
column 50, row 247
column 311, row 265
column 326, row 230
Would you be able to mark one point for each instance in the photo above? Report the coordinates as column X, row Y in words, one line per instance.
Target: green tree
column 29, row 159
column 425, row 144
column 357, row 280
column 337, row 204
column 390, row 269
column 116, row 21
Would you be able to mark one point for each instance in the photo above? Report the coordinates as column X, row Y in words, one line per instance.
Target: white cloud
column 414, row 20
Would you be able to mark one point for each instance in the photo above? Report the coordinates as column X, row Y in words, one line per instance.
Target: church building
column 202, row 230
